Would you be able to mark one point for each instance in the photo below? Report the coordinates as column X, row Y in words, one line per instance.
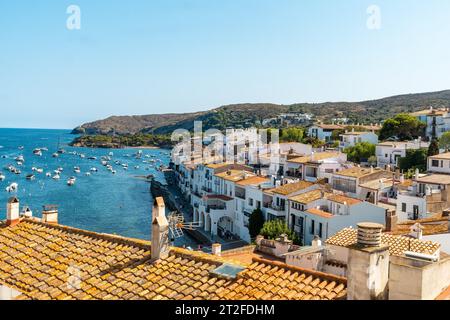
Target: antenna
column 177, row 224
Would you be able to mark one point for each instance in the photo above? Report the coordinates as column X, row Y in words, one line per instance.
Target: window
column 320, row 230
column 250, row 202
column 435, row 163
column 403, row 207
column 311, row 231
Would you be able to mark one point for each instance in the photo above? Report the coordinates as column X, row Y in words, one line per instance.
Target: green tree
column 292, row 134
column 414, row 159
column 274, row 228
column 433, row 149
column 255, row 223
column 403, row 126
column 444, row 141
column 361, row 152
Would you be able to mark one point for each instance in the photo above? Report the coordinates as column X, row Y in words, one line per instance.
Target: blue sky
column 158, row 56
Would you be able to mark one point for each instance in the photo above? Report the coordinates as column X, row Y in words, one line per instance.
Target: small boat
column 56, row 177
column 21, row 147
column 60, row 169
column 71, row 181
column 12, row 187
column 26, row 212
column 92, row 158
column 111, row 154
column 38, row 170
column 30, row 177
column 20, row 159
column 44, row 149
column 4, row 156
column 61, row 151
column 17, row 171
column 136, row 167
column 37, row 152
column 76, row 169
column 87, row 174
column 104, row 163
column 55, row 155
column 48, row 174
column 113, row 171
column 56, row 172
column 82, row 156
column 93, row 169
column 2, row 176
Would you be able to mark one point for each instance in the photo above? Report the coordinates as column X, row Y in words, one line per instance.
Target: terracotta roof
column 441, row 179
column 317, row 157
column 218, row 196
column 444, row 156
column 217, row 165
column 308, row 197
column 397, row 244
column 46, row 261
column 357, row 172
column 320, row 213
column 329, row 126
column 234, row 175
column 344, row 199
column 255, row 180
column 429, row 112
column 290, row 188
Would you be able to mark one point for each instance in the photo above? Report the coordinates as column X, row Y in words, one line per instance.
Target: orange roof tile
column 255, row 180
column 320, row 213
column 397, row 244
column 309, row 197
column 56, row 262
column 290, row 188
column 343, row 199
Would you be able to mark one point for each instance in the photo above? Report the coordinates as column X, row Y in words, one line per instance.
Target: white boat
column 26, row 212
column 60, row 169
column 55, row 155
column 93, row 169
column 33, row 169
column 87, row 174
column 20, row 159
column 113, row 171
column 111, row 154
column 56, row 172
column 2, row 176
column 38, row 170
column 12, row 187
column 56, row 177
column 20, row 147
column 82, row 156
column 37, row 152
column 104, row 163
column 48, row 174
column 30, row 177
column 71, row 181
column 76, row 169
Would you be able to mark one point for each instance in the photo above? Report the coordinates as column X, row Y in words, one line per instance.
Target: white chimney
column 416, row 231
column 160, row 230
column 416, row 175
column 368, row 265
column 316, row 243
column 50, row 214
column 217, row 249
column 12, row 211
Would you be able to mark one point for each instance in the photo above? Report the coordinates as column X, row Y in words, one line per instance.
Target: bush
column 403, row 126
column 274, row 228
column 361, row 152
column 414, row 159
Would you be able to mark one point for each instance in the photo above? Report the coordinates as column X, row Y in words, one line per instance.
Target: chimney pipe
column 50, row 214
column 12, row 211
column 160, row 230
column 369, row 234
column 217, row 249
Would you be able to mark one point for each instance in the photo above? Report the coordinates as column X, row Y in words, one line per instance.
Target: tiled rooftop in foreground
column 45, row 261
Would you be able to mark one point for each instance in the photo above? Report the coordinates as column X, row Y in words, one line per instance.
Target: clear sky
column 158, row 56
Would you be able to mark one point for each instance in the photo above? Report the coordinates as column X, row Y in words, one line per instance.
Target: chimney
column 316, row 243
column 160, row 230
column 416, row 175
column 12, row 211
column 217, row 249
column 391, row 220
column 416, row 231
column 50, row 214
column 368, row 265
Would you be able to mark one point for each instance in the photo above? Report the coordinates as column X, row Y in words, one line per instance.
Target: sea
column 102, row 202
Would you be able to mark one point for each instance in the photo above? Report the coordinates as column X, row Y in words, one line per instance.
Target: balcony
column 240, row 195
column 215, row 208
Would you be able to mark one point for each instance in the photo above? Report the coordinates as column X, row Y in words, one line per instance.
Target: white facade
column 388, row 153
column 350, row 139
column 323, row 132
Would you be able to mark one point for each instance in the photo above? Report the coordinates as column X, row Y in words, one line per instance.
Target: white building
column 439, row 163
column 350, row 139
column 388, row 153
column 321, row 214
column 437, row 120
column 323, row 131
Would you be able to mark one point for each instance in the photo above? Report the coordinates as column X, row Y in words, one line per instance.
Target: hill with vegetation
column 246, row 115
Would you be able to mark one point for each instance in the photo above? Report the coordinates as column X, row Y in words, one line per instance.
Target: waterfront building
column 437, row 121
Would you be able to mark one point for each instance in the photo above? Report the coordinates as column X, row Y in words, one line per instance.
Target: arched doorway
column 202, row 219
column 225, row 227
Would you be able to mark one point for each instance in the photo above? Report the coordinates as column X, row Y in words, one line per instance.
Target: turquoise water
column 103, row 202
